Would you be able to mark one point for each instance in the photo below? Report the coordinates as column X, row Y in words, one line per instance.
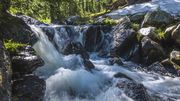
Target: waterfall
column 67, row 80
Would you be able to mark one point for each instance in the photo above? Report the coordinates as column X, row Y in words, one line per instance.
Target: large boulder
column 151, row 51
column 176, row 35
column 134, row 90
column 25, row 62
column 157, row 18
column 124, row 39
column 5, row 75
column 29, row 88
column 14, row 28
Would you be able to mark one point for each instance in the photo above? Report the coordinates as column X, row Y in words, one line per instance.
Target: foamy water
column 67, row 80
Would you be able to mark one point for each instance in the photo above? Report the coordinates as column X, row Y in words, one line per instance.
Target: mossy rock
column 13, row 28
column 13, row 47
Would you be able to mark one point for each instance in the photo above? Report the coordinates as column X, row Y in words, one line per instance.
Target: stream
column 67, row 79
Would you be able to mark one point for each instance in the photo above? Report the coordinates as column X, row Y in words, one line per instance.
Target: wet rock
column 14, row 28
column 115, row 60
column 75, row 48
column 175, row 57
column 176, row 35
column 93, row 37
column 157, row 18
column 25, row 62
column 124, row 39
column 158, row 68
column 88, row 64
column 5, row 75
column 29, row 88
column 50, row 32
column 30, row 20
column 151, row 51
column 134, row 90
column 121, row 75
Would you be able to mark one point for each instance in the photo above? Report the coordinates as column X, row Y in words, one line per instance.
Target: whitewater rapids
column 67, row 80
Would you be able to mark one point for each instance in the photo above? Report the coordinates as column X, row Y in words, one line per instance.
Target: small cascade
column 67, row 80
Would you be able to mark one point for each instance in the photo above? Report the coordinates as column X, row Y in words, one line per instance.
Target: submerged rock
column 5, row 75
column 25, row 62
column 88, row 64
column 29, row 88
column 157, row 18
column 115, row 60
column 134, row 90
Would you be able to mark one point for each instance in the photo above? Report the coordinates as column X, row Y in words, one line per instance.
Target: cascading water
column 67, row 80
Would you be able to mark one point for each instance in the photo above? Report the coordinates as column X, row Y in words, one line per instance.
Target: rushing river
column 67, row 80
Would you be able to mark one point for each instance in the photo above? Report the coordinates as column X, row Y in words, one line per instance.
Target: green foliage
column 12, row 46
column 135, row 26
column 160, row 33
column 52, row 10
column 108, row 21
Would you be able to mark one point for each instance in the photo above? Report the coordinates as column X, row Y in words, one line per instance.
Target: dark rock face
column 5, row 75
column 96, row 37
column 93, row 37
column 151, row 51
column 29, row 88
column 25, row 62
column 75, row 48
column 133, row 90
column 124, row 39
column 14, row 28
column 157, row 18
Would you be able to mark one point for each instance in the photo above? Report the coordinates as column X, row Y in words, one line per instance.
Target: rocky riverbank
column 150, row 39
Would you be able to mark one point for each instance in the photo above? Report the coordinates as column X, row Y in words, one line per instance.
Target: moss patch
column 135, row 26
column 12, row 46
column 160, row 33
